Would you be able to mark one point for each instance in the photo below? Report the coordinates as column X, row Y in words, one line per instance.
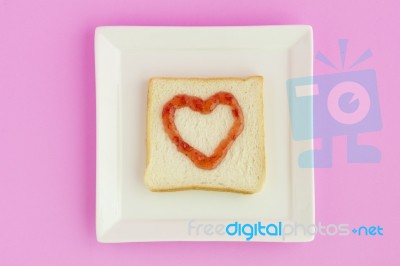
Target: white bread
column 243, row 167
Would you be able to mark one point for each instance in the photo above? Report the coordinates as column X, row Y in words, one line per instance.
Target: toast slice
column 205, row 133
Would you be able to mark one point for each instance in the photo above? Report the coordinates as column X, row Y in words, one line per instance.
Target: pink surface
column 47, row 133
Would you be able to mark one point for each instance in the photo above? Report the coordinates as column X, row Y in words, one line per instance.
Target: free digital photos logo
column 279, row 229
column 345, row 103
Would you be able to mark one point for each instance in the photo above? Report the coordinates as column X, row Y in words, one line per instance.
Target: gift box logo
column 344, row 103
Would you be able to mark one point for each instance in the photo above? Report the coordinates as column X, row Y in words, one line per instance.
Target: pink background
column 47, row 132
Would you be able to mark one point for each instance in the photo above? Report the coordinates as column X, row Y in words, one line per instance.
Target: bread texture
column 241, row 170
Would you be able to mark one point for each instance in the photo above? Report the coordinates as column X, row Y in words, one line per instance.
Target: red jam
column 204, row 107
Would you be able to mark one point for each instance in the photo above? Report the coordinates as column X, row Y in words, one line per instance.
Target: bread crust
column 262, row 179
column 203, row 188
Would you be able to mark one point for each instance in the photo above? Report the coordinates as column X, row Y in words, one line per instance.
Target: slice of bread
column 170, row 166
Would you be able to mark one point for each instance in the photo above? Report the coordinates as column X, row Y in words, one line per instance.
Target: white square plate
column 126, row 57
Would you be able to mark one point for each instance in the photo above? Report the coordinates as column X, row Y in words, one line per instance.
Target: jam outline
column 204, row 107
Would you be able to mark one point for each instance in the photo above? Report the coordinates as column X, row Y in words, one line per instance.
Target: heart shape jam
column 204, row 107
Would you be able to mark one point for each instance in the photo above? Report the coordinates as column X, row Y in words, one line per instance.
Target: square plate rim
column 104, row 31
